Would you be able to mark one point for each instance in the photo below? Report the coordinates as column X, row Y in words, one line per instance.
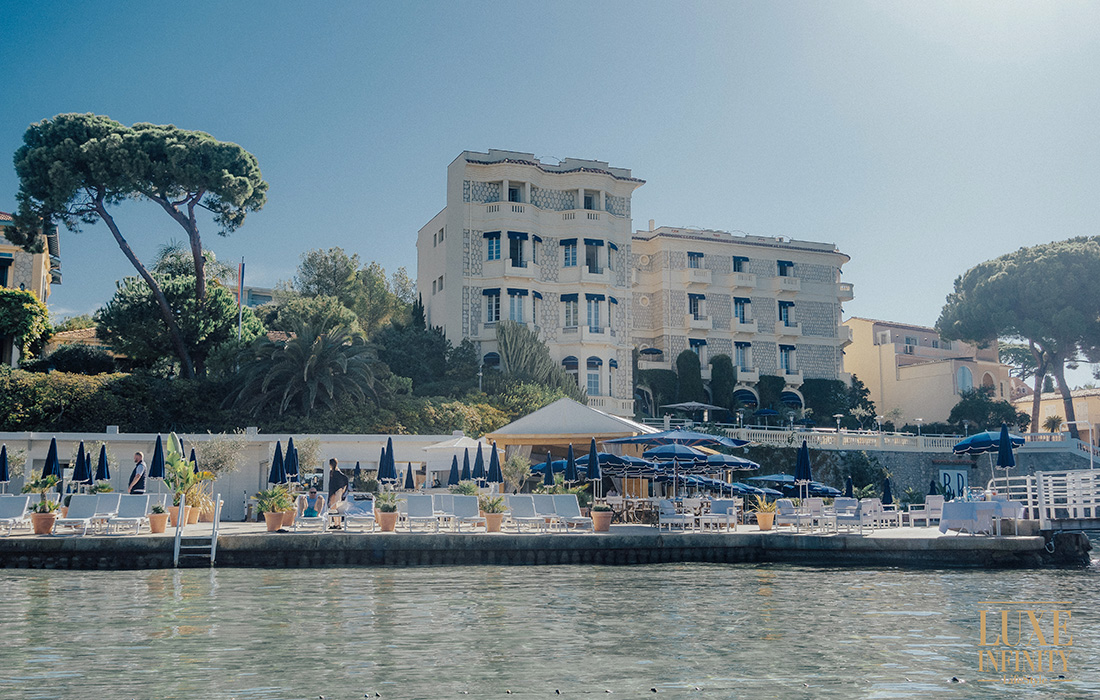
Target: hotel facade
column 550, row 245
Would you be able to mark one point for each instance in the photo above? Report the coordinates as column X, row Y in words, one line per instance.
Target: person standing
column 137, row 477
column 337, row 487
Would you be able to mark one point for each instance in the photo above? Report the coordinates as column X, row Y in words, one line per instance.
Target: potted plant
column 492, row 509
column 273, row 503
column 765, row 513
column 385, row 511
column 601, row 517
column 464, row 488
column 158, row 519
column 43, row 514
column 181, row 477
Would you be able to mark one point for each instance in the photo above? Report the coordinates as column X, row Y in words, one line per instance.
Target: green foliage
column 691, row 378
column 491, row 504
column 662, row 382
column 78, row 359
column 421, row 354
column 158, row 509
column 275, row 500
column 723, row 379
column 74, row 323
column 582, row 492
column 324, row 313
column 1020, row 358
column 22, row 316
column 770, row 389
column 329, row 273
column 525, row 358
column 223, row 453
column 516, row 471
column 1053, row 424
column 375, row 302
column 309, row 368
column 75, row 167
column 464, row 488
column 1041, row 294
column 386, row 502
column 826, row 398
column 762, row 505
column 132, row 324
column 983, row 412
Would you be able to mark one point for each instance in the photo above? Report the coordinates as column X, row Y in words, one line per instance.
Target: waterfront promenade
column 247, row 545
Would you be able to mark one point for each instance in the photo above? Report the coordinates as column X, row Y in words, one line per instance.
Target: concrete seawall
column 289, row 550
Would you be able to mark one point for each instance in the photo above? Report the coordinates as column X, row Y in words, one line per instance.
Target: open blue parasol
column 690, row 438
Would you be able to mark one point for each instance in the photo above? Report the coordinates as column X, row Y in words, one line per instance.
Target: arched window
column 987, row 381
column 746, row 397
column 491, row 359
column 790, row 398
column 571, row 366
column 965, row 379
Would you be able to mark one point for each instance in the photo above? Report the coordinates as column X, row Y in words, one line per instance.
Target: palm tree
column 1053, row 424
column 308, row 368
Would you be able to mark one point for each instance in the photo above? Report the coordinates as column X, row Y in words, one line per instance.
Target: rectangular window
column 441, row 283
column 570, row 255
column 513, row 194
column 535, row 252
column 739, row 263
column 435, row 239
column 784, row 268
column 786, row 359
column 910, row 340
column 695, row 260
column 589, row 201
column 594, row 383
column 742, row 357
column 433, row 286
column 695, row 307
column 515, row 308
column 494, row 248
column 741, row 310
column 935, row 343
column 572, row 313
column 592, row 258
column 594, row 316
column 515, row 252
column 440, row 235
column 492, row 308
column 785, row 315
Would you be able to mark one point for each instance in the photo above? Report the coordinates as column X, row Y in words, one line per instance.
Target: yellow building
column 910, row 368
column 1086, row 410
column 34, row 272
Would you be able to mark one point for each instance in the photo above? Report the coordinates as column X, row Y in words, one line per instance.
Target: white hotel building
column 550, row 245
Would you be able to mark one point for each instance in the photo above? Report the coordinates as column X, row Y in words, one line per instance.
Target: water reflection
column 735, row 631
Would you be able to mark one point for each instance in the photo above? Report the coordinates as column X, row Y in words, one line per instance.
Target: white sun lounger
column 106, row 508
column 668, row 517
column 465, row 510
column 133, row 512
column 82, row 510
column 523, row 512
column 569, row 510
column 421, row 511
column 359, row 513
column 319, row 521
column 544, row 506
column 13, row 511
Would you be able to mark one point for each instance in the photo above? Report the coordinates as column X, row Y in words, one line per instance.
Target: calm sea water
column 732, row 631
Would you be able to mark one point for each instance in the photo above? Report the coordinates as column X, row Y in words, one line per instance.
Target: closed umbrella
column 803, row 472
column 570, row 465
column 103, row 469
column 548, row 472
column 452, row 478
column 357, row 473
column 496, row 475
column 5, row 475
column 194, row 460
column 82, row 474
column 887, row 494
column 1005, row 459
column 479, row 465
column 278, row 469
column 290, row 462
column 410, row 483
column 594, row 474
column 933, row 489
column 156, row 467
column 52, row 466
column 465, row 464
column 391, row 462
column 849, row 488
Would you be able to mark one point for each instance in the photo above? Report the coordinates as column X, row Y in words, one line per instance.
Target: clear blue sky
column 920, row 137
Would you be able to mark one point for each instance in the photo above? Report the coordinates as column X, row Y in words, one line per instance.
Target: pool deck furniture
column 13, row 512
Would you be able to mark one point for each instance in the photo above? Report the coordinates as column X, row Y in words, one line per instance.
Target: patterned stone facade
column 555, row 200
column 480, row 192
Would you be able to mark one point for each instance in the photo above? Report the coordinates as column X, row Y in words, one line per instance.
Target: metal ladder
column 201, row 547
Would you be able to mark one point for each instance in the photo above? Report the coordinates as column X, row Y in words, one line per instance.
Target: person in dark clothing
column 337, row 486
column 137, row 477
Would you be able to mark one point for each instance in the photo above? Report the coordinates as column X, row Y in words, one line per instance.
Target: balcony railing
column 748, row 376
column 847, row 291
column 744, row 279
column 746, row 326
column 698, row 322
column 793, row 377
column 788, row 329
column 695, row 275
column 786, row 284
column 612, row 405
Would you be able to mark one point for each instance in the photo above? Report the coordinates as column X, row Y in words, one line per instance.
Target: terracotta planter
column 765, row 520
column 42, row 523
column 64, row 511
column 387, row 522
column 274, row 521
column 206, row 516
column 192, row 515
column 601, row 520
column 174, row 512
column 288, row 517
column 158, row 522
column 492, row 521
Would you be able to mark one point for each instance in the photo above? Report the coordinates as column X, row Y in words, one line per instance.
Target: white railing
column 1054, row 498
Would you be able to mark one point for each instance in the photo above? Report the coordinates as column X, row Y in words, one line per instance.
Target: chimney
column 651, row 222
